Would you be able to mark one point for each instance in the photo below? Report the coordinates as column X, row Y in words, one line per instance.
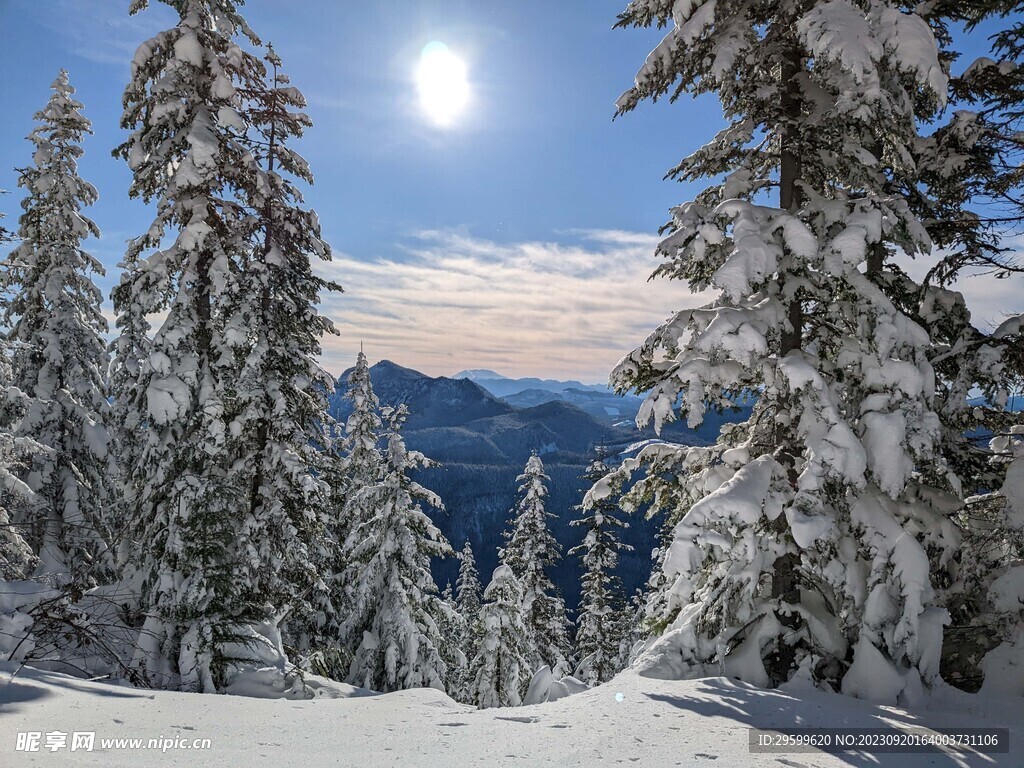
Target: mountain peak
column 394, row 369
column 479, row 374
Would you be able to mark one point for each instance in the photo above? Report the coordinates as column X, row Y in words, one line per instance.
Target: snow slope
column 656, row 723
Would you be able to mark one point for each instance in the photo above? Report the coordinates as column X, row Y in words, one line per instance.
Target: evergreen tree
column 501, row 669
column 468, row 594
column 128, row 350
column 392, row 629
column 452, row 628
column 17, row 561
column 529, row 551
column 362, row 428
column 599, row 622
column 967, row 169
column 278, row 418
column 188, row 547
column 806, row 540
column 361, row 459
column 632, row 628
column 354, row 465
column 16, row 558
column 59, row 357
column 468, row 587
column 968, row 200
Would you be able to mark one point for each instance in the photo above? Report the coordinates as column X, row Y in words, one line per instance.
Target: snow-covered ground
column 632, row 720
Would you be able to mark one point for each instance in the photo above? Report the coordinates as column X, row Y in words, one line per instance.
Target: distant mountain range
column 596, row 399
column 600, row 402
column 501, row 386
column 483, row 440
column 456, row 420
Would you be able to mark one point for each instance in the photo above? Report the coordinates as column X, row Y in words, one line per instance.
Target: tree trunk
column 876, row 253
column 785, row 577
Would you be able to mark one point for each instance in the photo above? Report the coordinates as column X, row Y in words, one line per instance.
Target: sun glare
column 441, row 79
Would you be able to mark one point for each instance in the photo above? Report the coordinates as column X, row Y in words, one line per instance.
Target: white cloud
column 528, row 309
column 558, row 309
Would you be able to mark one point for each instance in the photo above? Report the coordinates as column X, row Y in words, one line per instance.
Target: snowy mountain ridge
column 478, row 374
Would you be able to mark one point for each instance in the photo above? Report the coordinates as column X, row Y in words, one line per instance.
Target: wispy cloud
column 532, row 308
column 538, row 308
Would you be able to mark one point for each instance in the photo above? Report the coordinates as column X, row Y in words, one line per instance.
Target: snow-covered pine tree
column 278, row 420
column 16, row 558
column 501, row 670
column 17, row 561
column 969, row 169
column 59, row 359
column 361, row 462
column 806, row 541
column 531, row 549
column 391, row 629
column 965, row 170
column 467, row 603
column 599, row 621
column 188, row 153
column 128, row 351
column 355, row 464
column 632, row 628
column 452, row 628
column 988, row 602
column 654, row 493
column 467, row 591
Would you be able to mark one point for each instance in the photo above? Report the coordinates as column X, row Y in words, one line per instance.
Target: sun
column 441, row 79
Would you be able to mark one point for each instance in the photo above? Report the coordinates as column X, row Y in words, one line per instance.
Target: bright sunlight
column 441, row 79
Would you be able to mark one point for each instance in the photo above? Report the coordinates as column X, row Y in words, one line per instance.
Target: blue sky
column 518, row 239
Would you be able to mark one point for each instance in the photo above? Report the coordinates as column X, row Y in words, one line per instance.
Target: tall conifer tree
column 599, row 622
column 467, row 590
column 530, row 551
column 59, row 360
column 392, row 628
column 467, row 603
column 501, row 670
column 278, row 418
column 806, row 539
column 189, row 153
column 360, row 459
